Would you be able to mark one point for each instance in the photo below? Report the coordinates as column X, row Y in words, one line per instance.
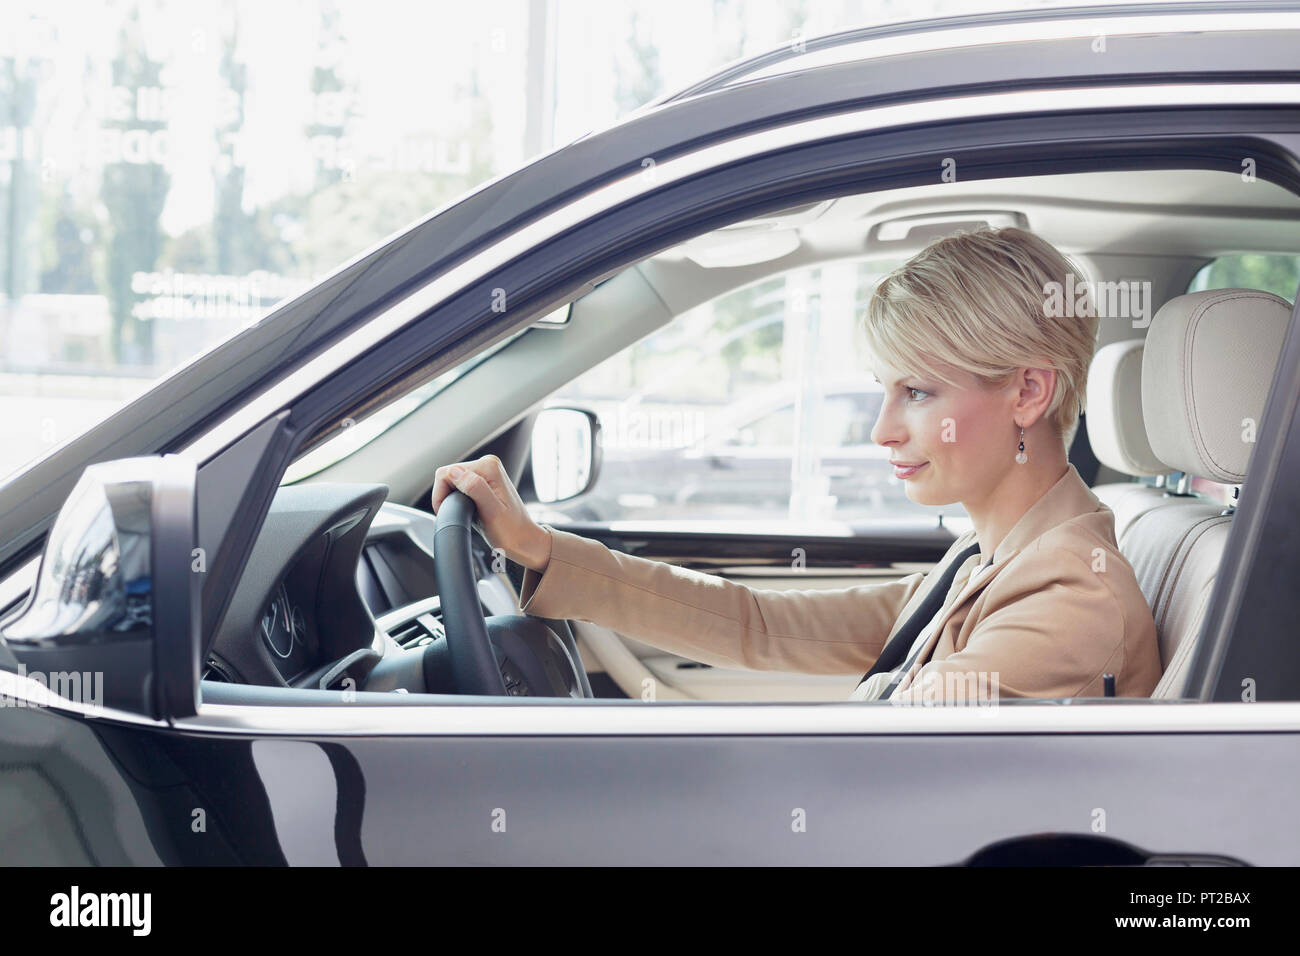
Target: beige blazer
column 1058, row 608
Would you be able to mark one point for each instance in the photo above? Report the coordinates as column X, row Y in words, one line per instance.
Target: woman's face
column 963, row 438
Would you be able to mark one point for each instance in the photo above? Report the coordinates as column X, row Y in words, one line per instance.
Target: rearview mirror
column 565, row 453
column 115, row 610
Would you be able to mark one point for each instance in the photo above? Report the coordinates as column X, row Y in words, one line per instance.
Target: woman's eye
column 913, row 393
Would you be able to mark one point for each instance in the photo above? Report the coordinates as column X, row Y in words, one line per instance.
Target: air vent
column 417, row 632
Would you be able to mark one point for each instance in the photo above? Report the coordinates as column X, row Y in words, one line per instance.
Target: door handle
column 1083, row 849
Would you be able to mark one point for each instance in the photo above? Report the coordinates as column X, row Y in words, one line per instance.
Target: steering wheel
column 533, row 655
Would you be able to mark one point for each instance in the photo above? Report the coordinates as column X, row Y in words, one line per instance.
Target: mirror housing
column 565, row 453
column 117, row 597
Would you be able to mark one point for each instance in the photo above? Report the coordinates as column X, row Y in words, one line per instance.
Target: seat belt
column 893, row 652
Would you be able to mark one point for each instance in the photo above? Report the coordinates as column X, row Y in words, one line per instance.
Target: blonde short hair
column 978, row 301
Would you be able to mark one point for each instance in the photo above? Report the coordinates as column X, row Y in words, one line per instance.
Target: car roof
column 964, row 30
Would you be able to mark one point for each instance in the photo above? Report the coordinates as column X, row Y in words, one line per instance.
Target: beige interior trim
column 623, row 667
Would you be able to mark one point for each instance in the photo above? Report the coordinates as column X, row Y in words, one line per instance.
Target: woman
column 984, row 377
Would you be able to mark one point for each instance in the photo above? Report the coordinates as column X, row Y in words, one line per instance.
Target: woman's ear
column 1035, row 388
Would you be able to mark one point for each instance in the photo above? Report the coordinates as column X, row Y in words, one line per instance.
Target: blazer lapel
column 968, row 585
column 1066, row 499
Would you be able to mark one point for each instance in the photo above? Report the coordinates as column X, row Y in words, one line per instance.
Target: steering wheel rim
column 474, row 664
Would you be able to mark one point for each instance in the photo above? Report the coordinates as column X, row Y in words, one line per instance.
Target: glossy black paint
column 134, row 796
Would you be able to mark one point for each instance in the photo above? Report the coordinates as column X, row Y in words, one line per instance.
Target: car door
column 389, row 781
column 545, row 790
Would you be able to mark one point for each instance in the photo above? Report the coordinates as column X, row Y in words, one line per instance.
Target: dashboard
column 338, row 579
column 284, row 629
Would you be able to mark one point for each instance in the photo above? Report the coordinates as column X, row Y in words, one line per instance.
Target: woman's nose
column 887, row 428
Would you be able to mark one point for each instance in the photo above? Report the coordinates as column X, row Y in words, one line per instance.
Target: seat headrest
column 1206, row 371
column 1116, row 429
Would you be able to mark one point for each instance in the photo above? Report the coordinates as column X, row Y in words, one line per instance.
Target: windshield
column 357, row 435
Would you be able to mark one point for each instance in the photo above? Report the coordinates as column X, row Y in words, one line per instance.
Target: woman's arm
column 696, row 615
column 713, row 620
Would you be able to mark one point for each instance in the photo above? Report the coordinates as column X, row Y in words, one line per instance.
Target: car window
column 1279, row 274
column 851, row 418
column 755, row 406
column 354, row 437
column 844, row 421
column 773, row 429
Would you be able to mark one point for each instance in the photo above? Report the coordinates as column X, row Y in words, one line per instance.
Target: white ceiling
column 1200, row 213
column 1172, row 220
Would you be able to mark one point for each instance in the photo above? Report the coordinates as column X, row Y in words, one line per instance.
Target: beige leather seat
column 1207, row 367
column 1118, row 434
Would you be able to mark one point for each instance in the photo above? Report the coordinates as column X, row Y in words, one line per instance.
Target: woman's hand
column 505, row 520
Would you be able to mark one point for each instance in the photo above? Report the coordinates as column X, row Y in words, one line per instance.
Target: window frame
column 702, row 194
column 696, row 173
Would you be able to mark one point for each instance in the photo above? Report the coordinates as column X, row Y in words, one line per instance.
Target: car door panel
column 613, row 795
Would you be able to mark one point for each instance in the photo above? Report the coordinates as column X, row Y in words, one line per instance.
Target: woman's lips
column 907, row 471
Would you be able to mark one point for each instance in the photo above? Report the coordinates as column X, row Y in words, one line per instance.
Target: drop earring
column 1021, row 457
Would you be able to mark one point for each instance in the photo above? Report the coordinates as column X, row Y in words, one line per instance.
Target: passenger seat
column 1207, row 367
column 1118, row 433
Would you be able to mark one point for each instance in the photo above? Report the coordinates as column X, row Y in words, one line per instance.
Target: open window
column 727, row 397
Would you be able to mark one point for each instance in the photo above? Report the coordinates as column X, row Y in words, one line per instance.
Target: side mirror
column 114, row 615
column 565, row 453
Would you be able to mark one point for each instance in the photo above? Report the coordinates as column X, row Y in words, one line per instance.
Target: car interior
column 342, row 586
